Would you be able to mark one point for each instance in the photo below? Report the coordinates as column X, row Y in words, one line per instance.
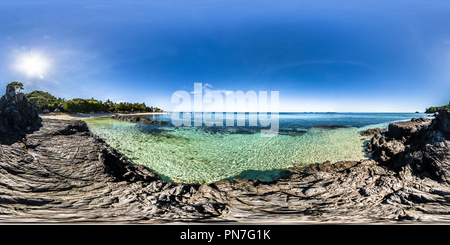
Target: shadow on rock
column 16, row 114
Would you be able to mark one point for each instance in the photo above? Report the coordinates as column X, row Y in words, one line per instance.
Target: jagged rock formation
column 373, row 131
column 64, row 173
column 16, row 114
column 443, row 121
column 61, row 172
column 415, row 148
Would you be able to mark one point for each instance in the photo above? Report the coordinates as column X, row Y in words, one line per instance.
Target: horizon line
column 329, row 112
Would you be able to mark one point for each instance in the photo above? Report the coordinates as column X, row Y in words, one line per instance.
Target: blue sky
column 359, row 56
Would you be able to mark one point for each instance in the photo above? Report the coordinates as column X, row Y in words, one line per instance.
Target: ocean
column 202, row 154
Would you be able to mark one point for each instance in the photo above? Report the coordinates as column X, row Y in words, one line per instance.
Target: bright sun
column 33, row 65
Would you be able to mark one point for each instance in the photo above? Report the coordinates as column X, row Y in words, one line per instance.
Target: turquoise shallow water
column 201, row 154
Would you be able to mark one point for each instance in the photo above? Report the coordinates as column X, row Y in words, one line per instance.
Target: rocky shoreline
column 60, row 172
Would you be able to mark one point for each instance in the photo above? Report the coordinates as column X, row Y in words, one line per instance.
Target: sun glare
column 33, row 65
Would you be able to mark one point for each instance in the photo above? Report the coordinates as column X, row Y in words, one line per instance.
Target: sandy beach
column 66, row 116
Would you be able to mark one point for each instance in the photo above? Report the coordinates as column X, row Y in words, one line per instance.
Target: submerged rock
column 148, row 121
column 330, row 126
column 126, row 118
column 136, row 119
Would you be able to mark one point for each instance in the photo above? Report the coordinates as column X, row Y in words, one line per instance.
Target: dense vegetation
column 436, row 109
column 92, row 105
column 44, row 100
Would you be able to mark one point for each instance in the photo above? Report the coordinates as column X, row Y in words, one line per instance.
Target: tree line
column 44, row 100
column 92, row 105
column 434, row 109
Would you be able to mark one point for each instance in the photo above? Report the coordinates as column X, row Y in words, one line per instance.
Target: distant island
column 45, row 102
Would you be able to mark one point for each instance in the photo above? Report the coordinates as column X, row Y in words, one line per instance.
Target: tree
column 41, row 100
column 73, row 106
column 436, row 109
column 18, row 86
column 109, row 106
column 44, row 100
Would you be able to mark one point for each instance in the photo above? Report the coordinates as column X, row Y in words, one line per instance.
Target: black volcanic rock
column 442, row 121
column 418, row 147
column 148, row 121
column 16, row 113
column 409, row 130
column 372, row 132
column 126, row 118
column 4, row 124
column 399, row 137
column 64, row 173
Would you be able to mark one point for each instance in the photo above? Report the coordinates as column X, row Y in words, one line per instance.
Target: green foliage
column 109, row 106
column 18, row 86
column 92, row 105
column 436, row 109
column 83, row 105
column 431, row 110
column 72, row 106
column 44, row 100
